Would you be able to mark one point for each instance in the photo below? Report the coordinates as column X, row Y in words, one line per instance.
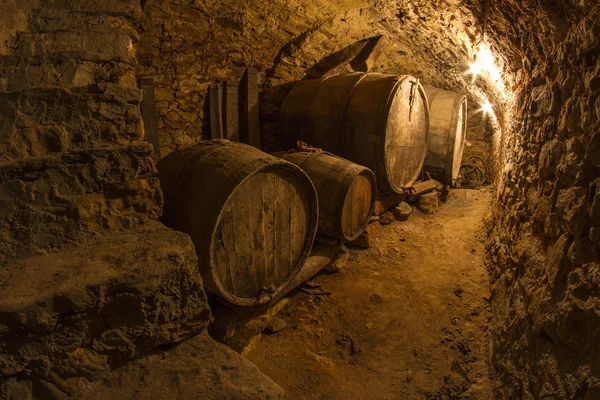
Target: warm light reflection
column 487, row 108
column 475, row 69
column 484, row 62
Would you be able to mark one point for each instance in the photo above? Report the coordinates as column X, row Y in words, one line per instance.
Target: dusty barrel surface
column 376, row 120
column 448, row 131
column 252, row 217
column 346, row 192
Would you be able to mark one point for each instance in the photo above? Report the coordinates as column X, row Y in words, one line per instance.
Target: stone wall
column 67, row 77
column 55, row 202
column 545, row 243
column 89, row 279
column 187, row 45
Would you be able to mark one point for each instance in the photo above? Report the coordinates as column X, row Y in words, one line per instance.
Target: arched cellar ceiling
column 433, row 40
column 437, row 40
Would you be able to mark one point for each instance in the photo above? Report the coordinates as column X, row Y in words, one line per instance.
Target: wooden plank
column 256, row 224
column 221, row 259
column 270, row 244
column 369, row 54
column 148, row 108
column 249, row 117
column 241, row 202
column 229, row 235
column 282, row 226
column 299, row 220
column 230, row 111
column 424, row 187
column 321, row 255
column 216, row 111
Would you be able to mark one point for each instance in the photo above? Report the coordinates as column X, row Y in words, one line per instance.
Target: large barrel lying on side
column 448, row 131
column 376, row 120
column 252, row 217
column 346, row 192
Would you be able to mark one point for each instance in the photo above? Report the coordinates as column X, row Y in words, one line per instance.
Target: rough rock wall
column 67, row 77
column 544, row 259
column 71, row 164
column 187, row 45
column 55, row 202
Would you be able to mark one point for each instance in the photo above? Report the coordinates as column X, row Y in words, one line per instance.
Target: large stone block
column 68, row 319
column 87, row 45
column 41, row 121
column 56, row 202
column 77, row 16
column 545, row 100
column 197, row 369
column 68, row 74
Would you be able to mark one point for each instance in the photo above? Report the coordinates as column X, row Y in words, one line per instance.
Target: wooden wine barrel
column 448, row 132
column 346, row 193
column 252, row 217
column 376, row 120
column 293, row 122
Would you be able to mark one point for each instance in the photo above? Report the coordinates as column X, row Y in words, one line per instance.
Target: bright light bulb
column 485, row 58
column 487, row 108
column 484, row 62
column 475, row 69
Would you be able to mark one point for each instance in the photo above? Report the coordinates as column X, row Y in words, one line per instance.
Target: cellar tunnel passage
column 98, row 284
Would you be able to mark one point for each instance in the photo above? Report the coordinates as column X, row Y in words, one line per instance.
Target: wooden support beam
column 148, row 108
column 230, row 111
column 216, row 111
column 249, row 118
column 368, row 54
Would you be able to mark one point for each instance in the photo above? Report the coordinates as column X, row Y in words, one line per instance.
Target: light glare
column 475, row 69
column 486, row 107
column 484, row 62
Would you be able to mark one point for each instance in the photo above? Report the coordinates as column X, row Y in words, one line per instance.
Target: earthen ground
column 406, row 319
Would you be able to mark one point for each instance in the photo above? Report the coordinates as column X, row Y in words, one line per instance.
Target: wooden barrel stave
column 326, row 112
column 296, row 103
column 251, row 216
column 346, row 193
column 448, row 126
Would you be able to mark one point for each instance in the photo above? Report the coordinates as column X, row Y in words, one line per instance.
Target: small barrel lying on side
column 346, row 193
column 252, row 217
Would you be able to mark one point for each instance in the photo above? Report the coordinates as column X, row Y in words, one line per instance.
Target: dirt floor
column 406, row 319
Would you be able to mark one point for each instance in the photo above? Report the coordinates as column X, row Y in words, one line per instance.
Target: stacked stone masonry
column 50, row 203
column 67, row 77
